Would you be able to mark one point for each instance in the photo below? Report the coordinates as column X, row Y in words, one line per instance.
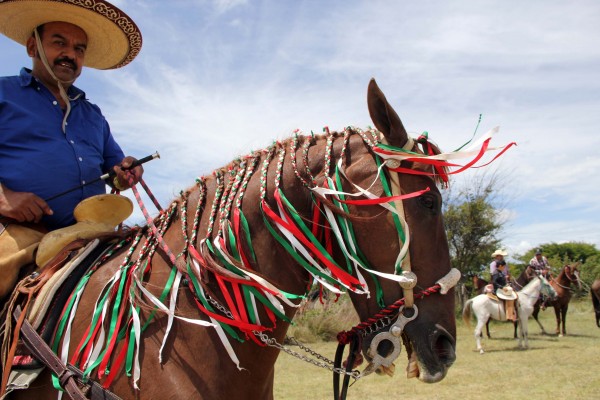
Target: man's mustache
column 65, row 60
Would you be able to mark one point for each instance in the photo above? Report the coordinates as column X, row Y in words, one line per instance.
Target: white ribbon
column 300, row 248
column 164, row 308
column 136, row 359
column 172, row 303
column 471, row 150
column 327, row 191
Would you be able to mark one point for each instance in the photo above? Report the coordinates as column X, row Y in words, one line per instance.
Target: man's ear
column 31, row 47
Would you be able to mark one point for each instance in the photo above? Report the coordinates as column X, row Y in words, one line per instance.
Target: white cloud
column 216, row 79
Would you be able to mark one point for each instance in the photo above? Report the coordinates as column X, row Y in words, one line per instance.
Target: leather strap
column 68, row 375
column 407, row 288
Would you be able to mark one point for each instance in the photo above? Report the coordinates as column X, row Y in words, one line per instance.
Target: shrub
column 316, row 321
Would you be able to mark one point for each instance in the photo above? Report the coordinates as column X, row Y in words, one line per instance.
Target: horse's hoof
column 481, row 351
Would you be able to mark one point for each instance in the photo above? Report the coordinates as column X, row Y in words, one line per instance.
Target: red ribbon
column 347, row 279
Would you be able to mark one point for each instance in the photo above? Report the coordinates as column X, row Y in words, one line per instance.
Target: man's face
column 538, row 256
column 65, row 45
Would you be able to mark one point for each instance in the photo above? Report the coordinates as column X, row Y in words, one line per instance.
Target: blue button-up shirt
column 36, row 156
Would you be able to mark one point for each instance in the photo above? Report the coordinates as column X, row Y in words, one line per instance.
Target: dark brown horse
column 562, row 285
column 479, row 284
column 595, row 292
column 243, row 249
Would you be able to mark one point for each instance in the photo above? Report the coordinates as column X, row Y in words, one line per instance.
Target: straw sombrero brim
column 499, row 253
column 506, row 294
column 114, row 40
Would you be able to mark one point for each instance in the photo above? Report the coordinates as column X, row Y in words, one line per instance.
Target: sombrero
column 499, row 252
column 95, row 216
column 114, row 40
column 506, row 293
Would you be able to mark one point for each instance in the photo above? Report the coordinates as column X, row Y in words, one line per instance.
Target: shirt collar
column 27, row 79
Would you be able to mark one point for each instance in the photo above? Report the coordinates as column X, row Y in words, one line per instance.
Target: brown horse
column 595, row 292
column 562, row 285
column 239, row 263
column 479, row 284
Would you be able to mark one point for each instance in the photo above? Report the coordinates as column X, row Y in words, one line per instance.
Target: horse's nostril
column 445, row 351
column 443, row 347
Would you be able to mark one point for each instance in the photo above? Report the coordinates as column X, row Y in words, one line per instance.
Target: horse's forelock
column 436, row 176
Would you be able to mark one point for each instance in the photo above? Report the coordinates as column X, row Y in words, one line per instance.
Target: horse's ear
column 384, row 117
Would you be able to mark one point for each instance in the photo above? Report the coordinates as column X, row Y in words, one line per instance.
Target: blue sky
column 216, row 79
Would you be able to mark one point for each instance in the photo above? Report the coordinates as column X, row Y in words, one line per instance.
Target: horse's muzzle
column 433, row 354
column 430, row 348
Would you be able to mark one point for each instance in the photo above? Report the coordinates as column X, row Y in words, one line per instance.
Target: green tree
column 563, row 253
column 590, row 270
column 586, row 255
column 473, row 221
column 471, row 230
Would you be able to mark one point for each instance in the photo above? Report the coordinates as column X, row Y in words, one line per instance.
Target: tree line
column 474, row 219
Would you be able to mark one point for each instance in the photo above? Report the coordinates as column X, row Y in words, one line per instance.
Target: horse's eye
column 428, row 201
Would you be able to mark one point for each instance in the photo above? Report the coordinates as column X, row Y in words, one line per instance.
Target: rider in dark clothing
column 499, row 282
column 498, row 278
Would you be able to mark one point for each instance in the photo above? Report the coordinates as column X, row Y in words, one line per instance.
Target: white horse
column 485, row 308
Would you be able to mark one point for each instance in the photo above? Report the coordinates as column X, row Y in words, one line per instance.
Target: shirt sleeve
column 113, row 154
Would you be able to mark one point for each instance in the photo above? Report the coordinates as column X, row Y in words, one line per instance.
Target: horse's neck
column 563, row 278
column 531, row 292
column 292, row 166
column 523, row 279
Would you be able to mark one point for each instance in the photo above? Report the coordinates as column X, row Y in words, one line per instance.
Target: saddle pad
column 492, row 296
column 44, row 299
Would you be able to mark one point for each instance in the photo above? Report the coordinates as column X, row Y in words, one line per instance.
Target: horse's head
column 413, row 225
column 572, row 274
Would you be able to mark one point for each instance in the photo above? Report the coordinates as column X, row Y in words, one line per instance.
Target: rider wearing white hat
column 498, row 257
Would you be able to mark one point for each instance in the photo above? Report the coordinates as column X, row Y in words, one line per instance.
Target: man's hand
column 126, row 178
column 22, row 206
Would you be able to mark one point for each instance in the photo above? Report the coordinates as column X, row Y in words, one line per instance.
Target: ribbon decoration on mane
column 227, row 255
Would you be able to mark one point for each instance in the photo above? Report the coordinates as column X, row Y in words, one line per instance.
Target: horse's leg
column 564, row 318
column 487, row 327
column 478, row 330
column 596, row 303
column 516, row 324
column 536, row 311
column 524, row 328
column 557, row 314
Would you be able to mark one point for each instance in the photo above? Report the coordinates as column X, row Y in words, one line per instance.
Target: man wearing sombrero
column 540, row 263
column 51, row 137
column 498, row 259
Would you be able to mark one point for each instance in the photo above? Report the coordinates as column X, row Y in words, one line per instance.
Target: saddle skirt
column 42, row 302
column 52, row 287
column 506, row 307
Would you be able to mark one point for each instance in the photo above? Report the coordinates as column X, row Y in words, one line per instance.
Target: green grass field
column 553, row 367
